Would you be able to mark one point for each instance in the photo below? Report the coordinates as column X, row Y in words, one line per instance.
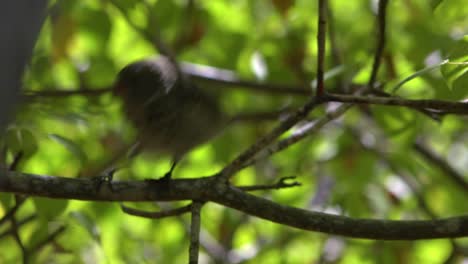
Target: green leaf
column 6, row 200
column 417, row 74
column 455, row 71
column 71, row 146
column 435, row 4
column 49, row 209
column 95, row 29
column 399, row 124
column 452, row 72
column 21, row 140
column 88, row 224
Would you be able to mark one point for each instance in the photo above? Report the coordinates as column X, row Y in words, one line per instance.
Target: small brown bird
column 172, row 116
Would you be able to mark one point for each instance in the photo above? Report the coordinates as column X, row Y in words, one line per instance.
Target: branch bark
column 210, row 189
column 435, row 105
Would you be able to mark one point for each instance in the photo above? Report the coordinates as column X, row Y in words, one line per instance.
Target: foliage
column 365, row 164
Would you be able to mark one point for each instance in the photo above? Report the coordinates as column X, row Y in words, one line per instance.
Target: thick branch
column 342, row 225
column 210, row 189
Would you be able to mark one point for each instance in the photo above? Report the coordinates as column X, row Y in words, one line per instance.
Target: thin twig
column 156, row 215
column 154, row 38
column 416, row 74
column 11, row 212
column 443, row 165
column 260, row 116
column 210, row 245
column 431, row 105
column 299, row 135
column 281, row 184
column 236, row 165
column 380, row 151
column 66, row 93
column 185, row 27
column 145, row 34
column 321, row 36
column 18, row 224
column 195, row 232
column 50, row 238
column 382, row 14
column 18, row 201
column 334, row 48
column 16, row 160
column 436, row 116
column 222, row 78
column 411, row 182
column 228, row 78
column 16, row 236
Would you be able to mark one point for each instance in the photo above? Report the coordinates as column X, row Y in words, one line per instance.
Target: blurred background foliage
column 364, row 164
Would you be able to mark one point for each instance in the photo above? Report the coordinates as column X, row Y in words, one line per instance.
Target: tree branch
column 18, row 225
column 321, row 36
column 156, row 215
column 307, row 130
column 11, row 213
column 16, row 236
column 436, row 160
column 51, row 237
column 382, row 13
column 237, row 164
column 195, row 232
column 434, row 105
column 211, row 189
column 29, row 95
column 281, row 184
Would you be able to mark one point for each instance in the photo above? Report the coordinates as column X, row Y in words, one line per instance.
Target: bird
column 170, row 113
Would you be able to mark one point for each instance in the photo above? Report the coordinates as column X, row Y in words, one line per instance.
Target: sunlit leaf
column 456, row 71
column 63, row 35
column 71, row 146
column 88, row 224
column 21, row 140
column 283, row 6
column 435, row 3
column 6, row 200
column 48, row 208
